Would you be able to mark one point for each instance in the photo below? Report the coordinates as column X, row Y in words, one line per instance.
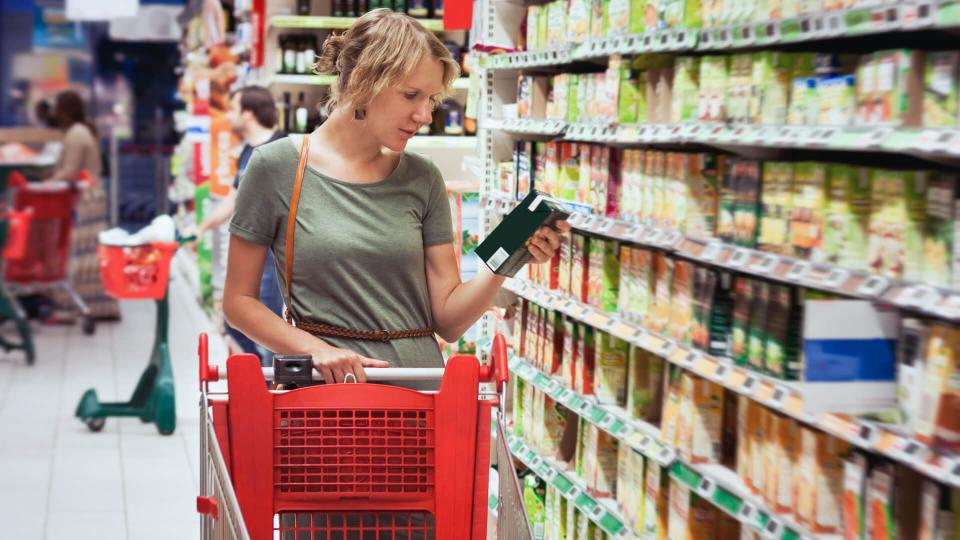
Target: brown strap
column 292, row 223
column 326, row 330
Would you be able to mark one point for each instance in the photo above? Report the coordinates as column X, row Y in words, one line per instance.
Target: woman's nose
column 424, row 113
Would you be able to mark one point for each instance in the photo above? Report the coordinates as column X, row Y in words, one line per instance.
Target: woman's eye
column 410, row 96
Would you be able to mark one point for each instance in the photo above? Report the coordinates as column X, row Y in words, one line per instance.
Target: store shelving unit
column 333, row 23
column 829, row 30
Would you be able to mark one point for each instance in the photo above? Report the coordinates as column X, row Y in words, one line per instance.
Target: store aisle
column 59, row 480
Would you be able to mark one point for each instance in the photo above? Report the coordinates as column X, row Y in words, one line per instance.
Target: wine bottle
column 278, row 55
column 287, row 124
column 301, row 49
column 301, row 115
column 289, row 56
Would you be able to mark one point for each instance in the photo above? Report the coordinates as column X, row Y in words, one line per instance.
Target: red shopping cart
column 42, row 266
column 347, row 460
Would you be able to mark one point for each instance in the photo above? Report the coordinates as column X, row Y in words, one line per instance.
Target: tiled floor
column 58, row 479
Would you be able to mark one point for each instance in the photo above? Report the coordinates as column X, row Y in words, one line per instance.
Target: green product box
column 686, row 89
column 628, row 99
column 611, row 366
column 534, row 500
column 775, row 87
column 518, row 405
column 570, row 170
column 940, row 81
column 610, row 286
column 939, row 238
column 504, row 250
column 556, row 24
column 576, row 90
column 637, row 16
column 915, row 239
column 784, row 322
column 742, row 302
column 775, row 203
column 203, row 202
column 756, row 335
column 845, row 229
column 599, row 20
column 642, row 261
column 714, row 73
column 533, row 28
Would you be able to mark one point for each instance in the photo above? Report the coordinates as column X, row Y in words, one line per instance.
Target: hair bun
column 330, row 55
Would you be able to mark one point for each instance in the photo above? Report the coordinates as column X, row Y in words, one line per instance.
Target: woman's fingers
column 326, row 373
column 551, row 236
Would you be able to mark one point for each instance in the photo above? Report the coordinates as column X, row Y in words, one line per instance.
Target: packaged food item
column 601, row 474
column 672, row 403
column 757, row 332
column 656, row 502
column 743, row 300
column 686, row 89
column 784, row 330
column 580, row 267
column 726, row 215
column 940, row 83
column 846, row 222
column 787, row 452
column 583, row 383
column 611, row 375
column 660, row 299
column 940, row 508
column 681, row 303
column 534, row 499
column 702, row 174
column 645, row 385
column 568, row 368
column 898, row 91
column 938, row 423
column 938, row 238
column 504, row 250
column 701, row 420
column 854, row 490
column 820, row 481
column 775, row 204
column 809, row 201
column 630, row 485
column 690, row 516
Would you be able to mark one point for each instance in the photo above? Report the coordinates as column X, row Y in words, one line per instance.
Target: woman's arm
column 243, row 310
column 455, row 305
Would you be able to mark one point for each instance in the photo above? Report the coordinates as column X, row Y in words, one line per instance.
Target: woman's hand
column 334, row 364
column 545, row 242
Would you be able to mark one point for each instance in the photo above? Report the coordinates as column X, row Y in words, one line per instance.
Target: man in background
column 253, row 117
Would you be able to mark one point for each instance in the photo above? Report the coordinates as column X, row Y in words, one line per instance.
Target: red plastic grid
column 354, row 452
column 354, row 526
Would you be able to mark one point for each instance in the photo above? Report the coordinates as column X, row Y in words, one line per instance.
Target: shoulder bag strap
column 292, row 223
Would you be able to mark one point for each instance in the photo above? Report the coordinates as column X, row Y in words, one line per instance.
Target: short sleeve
column 255, row 214
column 437, row 224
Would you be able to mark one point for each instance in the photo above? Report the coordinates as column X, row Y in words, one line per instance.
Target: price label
column 638, row 334
column 772, row 530
column 691, row 358
column 609, row 325
column 798, row 271
column 766, row 264
column 911, row 451
column 666, row 347
column 720, row 373
column 607, row 421
column 867, row 434
column 739, row 258
column 707, row 488
column 711, row 251
column 653, row 236
column 836, row 278
column 549, row 473
column 747, row 511
column 606, row 225
column 949, row 308
column 874, row 286
column 671, row 239
column 779, row 395
column 490, row 203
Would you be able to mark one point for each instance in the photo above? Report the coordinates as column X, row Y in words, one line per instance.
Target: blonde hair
column 378, row 51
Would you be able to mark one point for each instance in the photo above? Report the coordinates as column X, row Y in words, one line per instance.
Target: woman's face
column 396, row 113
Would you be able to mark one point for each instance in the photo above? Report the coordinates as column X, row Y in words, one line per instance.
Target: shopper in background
column 253, row 117
column 372, row 275
column 80, row 152
column 43, row 114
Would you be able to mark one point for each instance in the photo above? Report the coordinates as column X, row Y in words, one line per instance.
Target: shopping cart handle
column 497, row 370
column 208, row 373
column 373, row 374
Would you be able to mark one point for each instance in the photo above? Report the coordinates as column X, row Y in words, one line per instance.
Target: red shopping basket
column 130, row 272
column 357, row 460
column 48, row 237
column 18, row 231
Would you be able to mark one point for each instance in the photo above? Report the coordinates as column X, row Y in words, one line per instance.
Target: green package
column 611, row 276
column 629, row 88
column 775, row 86
column 203, row 204
column 742, row 302
column 611, row 369
column 809, row 201
column 686, row 89
column 915, row 198
column 757, row 334
column 637, row 16
column 518, row 405
column 846, row 223
column 534, row 501
column 938, row 248
column 775, row 206
column 940, row 80
column 569, row 170
column 784, row 330
column 726, row 228
column 576, row 88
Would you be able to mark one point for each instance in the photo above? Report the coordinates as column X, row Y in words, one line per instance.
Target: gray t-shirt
column 359, row 248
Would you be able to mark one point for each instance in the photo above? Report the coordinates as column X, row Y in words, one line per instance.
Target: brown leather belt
column 319, row 329
column 326, row 330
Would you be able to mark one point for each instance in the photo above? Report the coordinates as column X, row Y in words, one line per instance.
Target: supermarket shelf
column 639, row 435
column 527, row 126
column 725, row 490
column 716, row 483
column 850, row 23
column 335, row 23
column 461, row 83
column 600, row 511
column 923, row 298
column 785, row 397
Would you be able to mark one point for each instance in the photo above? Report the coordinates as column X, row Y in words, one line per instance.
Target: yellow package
column 630, row 485
column 656, row 504
column 671, row 406
column 744, row 442
column 820, row 482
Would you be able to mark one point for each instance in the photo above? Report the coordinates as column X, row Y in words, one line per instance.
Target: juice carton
column 704, row 282
column 568, row 363
column 729, row 430
column 601, row 474
column 775, row 88
column 600, row 21
column 599, row 180
column 866, row 76
column 533, row 42
column 854, row 490
column 637, row 16
column 672, row 403
column 787, row 455
column 821, row 481
column 690, row 516
column 656, row 502
column 914, row 196
column 627, row 274
column 611, row 369
column 644, row 385
column 583, row 383
column 771, row 427
column 726, row 216
column 555, row 418
column 556, row 24
column 643, row 285
column 744, row 440
column 565, row 270
column 756, row 433
column 681, row 305
column 899, row 88
column 686, row 89
column 879, row 503
column 714, row 71
column 940, row 81
column 618, row 17
column 553, row 334
column 911, row 366
column 939, row 510
column 610, row 282
column 578, row 20
column 756, row 335
column 576, row 90
column 597, row 251
column 518, row 341
column 806, row 223
column 628, row 103
column 580, row 267
column 783, row 333
column 846, row 222
column 701, row 174
column 776, row 203
column 701, row 420
column 939, row 236
column 569, row 170
column 660, row 300
column 938, row 423
column 743, row 301
column 534, row 497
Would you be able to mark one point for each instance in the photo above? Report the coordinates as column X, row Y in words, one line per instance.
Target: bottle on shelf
column 310, row 52
column 302, row 115
column 301, row 57
column 418, row 8
column 287, row 114
column 452, row 114
column 289, row 56
column 437, row 9
column 303, row 7
column 278, row 55
column 400, row 6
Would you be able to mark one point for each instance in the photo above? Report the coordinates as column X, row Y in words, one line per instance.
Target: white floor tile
column 87, row 526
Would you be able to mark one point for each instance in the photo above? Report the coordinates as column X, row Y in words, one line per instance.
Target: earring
column 359, row 114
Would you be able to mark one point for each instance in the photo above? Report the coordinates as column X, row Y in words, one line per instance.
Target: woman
column 81, row 151
column 373, row 238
